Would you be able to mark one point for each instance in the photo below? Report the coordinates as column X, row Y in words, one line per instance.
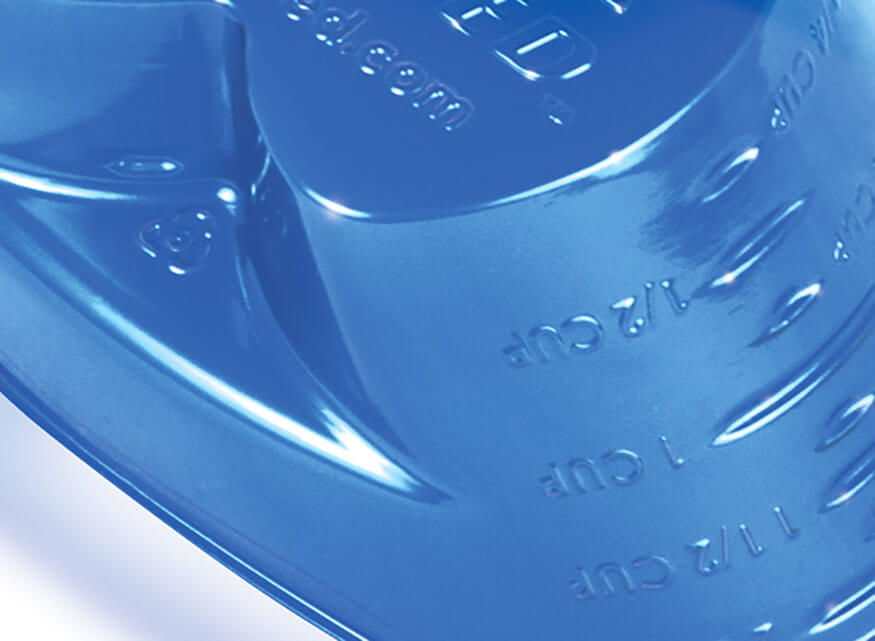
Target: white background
column 80, row 561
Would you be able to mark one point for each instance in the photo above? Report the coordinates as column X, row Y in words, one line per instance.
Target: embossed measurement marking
column 657, row 572
column 855, row 224
column 620, row 468
column 585, row 333
column 651, row 572
column 801, row 75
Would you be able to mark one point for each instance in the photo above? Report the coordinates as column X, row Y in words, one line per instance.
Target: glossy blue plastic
column 466, row 320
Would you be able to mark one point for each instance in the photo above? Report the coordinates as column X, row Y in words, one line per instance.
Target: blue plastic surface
column 456, row 320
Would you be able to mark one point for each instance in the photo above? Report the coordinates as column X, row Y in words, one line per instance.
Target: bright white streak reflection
column 349, row 449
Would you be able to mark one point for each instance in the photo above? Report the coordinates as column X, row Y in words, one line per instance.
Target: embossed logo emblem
column 182, row 241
